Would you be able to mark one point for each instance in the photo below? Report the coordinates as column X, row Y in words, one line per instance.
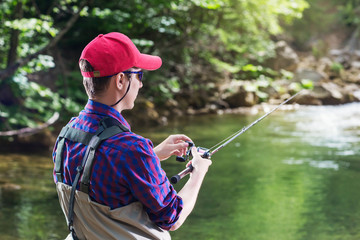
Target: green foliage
column 33, row 25
column 336, row 67
column 34, row 21
column 286, row 74
column 251, row 71
column 236, row 37
column 38, row 104
column 295, row 86
column 305, row 29
column 350, row 12
column 303, row 84
column 307, row 84
column 321, row 18
column 41, row 63
column 72, row 93
column 200, row 42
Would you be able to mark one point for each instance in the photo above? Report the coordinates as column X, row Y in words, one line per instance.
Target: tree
column 200, row 40
column 36, row 28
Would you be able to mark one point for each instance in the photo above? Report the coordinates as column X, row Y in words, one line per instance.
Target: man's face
column 134, row 76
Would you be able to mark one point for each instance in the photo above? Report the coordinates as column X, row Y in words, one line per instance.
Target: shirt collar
column 105, row 110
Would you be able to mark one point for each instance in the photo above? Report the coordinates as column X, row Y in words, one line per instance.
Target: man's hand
column 191, row 189
column 200, row 164
column 173, row 145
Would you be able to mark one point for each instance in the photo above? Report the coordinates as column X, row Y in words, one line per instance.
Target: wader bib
column 87, row 219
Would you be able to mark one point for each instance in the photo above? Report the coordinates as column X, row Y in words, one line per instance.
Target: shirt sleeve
column 149, row 184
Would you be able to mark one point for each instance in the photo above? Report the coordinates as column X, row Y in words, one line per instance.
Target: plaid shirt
column 126, row 169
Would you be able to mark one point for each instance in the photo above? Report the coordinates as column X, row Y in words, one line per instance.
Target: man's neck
column 117, row 107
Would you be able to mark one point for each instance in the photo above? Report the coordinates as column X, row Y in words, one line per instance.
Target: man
column 121, row 190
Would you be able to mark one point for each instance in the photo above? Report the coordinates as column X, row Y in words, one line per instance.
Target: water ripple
column 325, row 164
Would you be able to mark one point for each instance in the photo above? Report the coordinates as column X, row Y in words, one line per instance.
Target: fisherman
column 109, row 180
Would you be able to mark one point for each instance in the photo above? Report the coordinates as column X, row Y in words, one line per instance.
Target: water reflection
column 331, row 126
column 326, row 164
column 294, row 176
column 28, row 202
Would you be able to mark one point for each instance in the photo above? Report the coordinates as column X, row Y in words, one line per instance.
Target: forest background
column 209, row 48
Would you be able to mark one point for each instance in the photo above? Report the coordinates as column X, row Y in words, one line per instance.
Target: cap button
column 100, row 35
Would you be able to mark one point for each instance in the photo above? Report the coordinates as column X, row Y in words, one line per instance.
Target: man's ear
column 120, row 81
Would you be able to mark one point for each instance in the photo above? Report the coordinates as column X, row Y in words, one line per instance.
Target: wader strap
column 94, row 143
column 71, row 203
column 74, row 135
column 108, row 128
column 59, row 153
column 109, row 122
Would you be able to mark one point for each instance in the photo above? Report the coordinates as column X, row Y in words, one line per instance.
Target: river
column 293, row 176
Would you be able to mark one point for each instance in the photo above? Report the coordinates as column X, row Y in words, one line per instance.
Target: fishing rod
column 207, row 153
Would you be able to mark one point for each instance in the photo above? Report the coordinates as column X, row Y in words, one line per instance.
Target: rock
column 308, row 98
column 42, row 140
column 309, row 74
column 190, row 111
column 143, row 113
column 10, row 186
column 345, row 57
column 171, row 108
column 352, row 93
column 356, row 95
column 334, row 90
column 241, row 98
column 326, row 93
column 336, row 52
column 351, row 76
column 270, row 91
column 356, row 55
column 324, row 66
column 219, row 104
column 286, row 58
column 307, row 62
column 355, row 64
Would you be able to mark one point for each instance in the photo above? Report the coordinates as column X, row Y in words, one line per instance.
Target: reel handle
column 180, row 159
column 188, row 153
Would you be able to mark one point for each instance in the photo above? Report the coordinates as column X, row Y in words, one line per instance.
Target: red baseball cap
column 114, row 52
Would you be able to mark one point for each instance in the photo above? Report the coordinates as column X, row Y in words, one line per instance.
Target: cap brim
column 148, row 62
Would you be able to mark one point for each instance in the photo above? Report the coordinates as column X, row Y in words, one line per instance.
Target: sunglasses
column 139, row 73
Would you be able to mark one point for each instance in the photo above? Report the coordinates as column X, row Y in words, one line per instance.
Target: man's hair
column 94, row 86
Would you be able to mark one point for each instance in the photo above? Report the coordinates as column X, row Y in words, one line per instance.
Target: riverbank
column 333, row 79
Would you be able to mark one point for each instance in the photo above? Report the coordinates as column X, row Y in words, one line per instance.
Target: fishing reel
column 204, row 152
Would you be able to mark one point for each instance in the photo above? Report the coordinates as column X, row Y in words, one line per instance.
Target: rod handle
column 176, row 178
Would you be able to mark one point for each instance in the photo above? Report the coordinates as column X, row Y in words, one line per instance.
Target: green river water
column 295, row 175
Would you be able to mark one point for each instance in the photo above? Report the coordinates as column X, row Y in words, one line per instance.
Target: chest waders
column 94, row 220
column 108, row 127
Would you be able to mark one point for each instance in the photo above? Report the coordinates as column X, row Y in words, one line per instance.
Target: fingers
column 177, row 153
column 181, row 145
column 188, row 164
column 179, row 148
column 194, row 152
column 180, row 137
column 199, row 163
column 177, row 144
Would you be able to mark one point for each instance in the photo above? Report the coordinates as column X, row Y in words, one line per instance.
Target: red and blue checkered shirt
column 126, row 169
